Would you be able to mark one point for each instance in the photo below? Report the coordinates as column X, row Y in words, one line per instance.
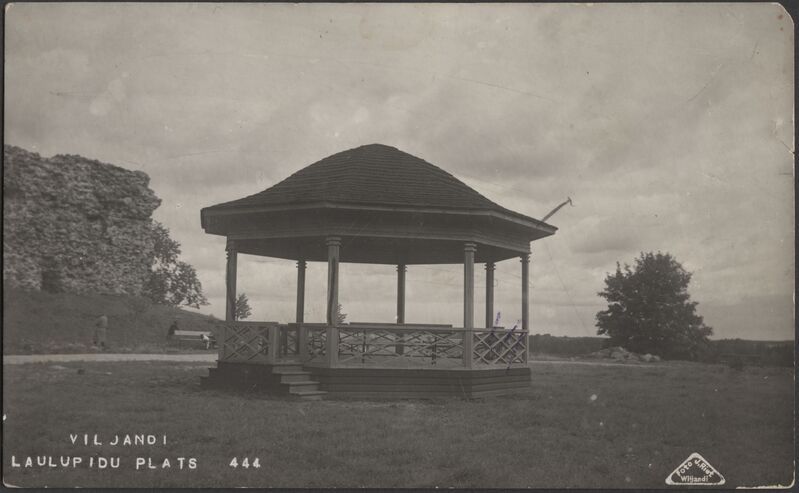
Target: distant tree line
column 765, row 353
column 762, row 353
column 566, row 346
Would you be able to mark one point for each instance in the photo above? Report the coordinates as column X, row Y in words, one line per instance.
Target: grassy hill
column 41, row 322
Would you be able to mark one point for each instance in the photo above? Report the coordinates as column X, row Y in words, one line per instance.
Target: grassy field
column 643, row 421
column 36, row 322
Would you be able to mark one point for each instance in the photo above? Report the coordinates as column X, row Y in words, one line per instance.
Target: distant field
column 643, row 422
column 749, row 352
column 37, row 322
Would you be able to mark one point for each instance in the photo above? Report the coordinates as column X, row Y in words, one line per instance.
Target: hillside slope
column 42, row 322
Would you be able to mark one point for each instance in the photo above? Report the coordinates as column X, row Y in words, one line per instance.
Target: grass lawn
column 644, row 421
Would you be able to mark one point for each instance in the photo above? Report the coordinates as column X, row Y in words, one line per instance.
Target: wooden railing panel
column 360, row 345
column 245, row 342
column 316, row 344
column 499, row 348
column 289, row 341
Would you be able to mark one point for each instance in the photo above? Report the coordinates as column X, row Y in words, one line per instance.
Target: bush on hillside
column 172, row 281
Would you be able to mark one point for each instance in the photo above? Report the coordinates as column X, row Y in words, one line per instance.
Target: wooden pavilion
column 374, row 204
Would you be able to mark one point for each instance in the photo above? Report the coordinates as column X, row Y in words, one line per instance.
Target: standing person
column 100, row 328
column 172, row 329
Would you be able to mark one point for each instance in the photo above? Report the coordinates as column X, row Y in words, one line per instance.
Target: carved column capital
column 231, row 246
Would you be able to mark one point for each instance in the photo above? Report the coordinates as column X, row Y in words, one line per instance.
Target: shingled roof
column 374, row 174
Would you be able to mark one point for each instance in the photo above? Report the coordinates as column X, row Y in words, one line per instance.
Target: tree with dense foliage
column 171, row 281
column 650, row 310
column 243, row 310
column 339, row 317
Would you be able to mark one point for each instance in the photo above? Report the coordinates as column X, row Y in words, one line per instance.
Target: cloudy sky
column 670, row 127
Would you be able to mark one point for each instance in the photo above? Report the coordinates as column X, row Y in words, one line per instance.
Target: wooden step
column 286, row 368
column 310, row 395
column 295, row 376
column 302, row 386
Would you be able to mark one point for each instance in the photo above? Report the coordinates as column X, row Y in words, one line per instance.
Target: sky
column 670, row 126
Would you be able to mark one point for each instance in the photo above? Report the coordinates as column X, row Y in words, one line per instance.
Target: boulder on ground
column 619, row 353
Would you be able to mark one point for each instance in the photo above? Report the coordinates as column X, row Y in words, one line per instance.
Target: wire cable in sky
column 565, row 289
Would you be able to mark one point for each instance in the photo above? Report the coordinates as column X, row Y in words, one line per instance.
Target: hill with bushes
column 79, row 242
column 43, row 322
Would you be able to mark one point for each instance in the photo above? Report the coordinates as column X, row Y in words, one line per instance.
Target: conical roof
column 374, row 174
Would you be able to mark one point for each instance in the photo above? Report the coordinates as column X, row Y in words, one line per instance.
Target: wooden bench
column 206, row 337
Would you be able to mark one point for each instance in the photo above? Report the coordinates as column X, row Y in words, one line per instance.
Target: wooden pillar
column 302, row 337
column 333, row 252
column 468, row 285
column 401, row 269
column 525, row 259
column 230, row 281
column 490, row 294
column 468, row 302
column 300, row 317
column 273, row 335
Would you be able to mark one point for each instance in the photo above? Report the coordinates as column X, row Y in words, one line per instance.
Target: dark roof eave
column 515, row 217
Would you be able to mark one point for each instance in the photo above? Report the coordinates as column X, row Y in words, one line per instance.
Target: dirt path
column 591, row 363
column 211, row 357
column 95, row 357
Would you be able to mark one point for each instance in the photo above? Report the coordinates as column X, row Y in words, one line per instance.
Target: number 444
column 245, row 462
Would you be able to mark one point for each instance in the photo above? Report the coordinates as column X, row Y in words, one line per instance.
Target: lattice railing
column 400, row 346
column 289, row 341
column 499, row 347
column 245, row 342
column 316, row 343
column 372, row 345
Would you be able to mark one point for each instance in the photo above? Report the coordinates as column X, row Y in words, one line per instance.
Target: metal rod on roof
column 556, row 209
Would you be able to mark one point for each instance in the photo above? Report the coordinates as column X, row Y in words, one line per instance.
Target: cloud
column 108, row 99
column 754, row 317
column 603, row 235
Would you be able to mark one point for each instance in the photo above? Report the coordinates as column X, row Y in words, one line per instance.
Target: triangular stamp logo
column 697, row 471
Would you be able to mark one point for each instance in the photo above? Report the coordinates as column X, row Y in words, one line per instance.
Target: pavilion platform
column 370, row 360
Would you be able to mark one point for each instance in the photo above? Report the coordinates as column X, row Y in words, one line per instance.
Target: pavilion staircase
column 279, row 378
column 298, row 381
